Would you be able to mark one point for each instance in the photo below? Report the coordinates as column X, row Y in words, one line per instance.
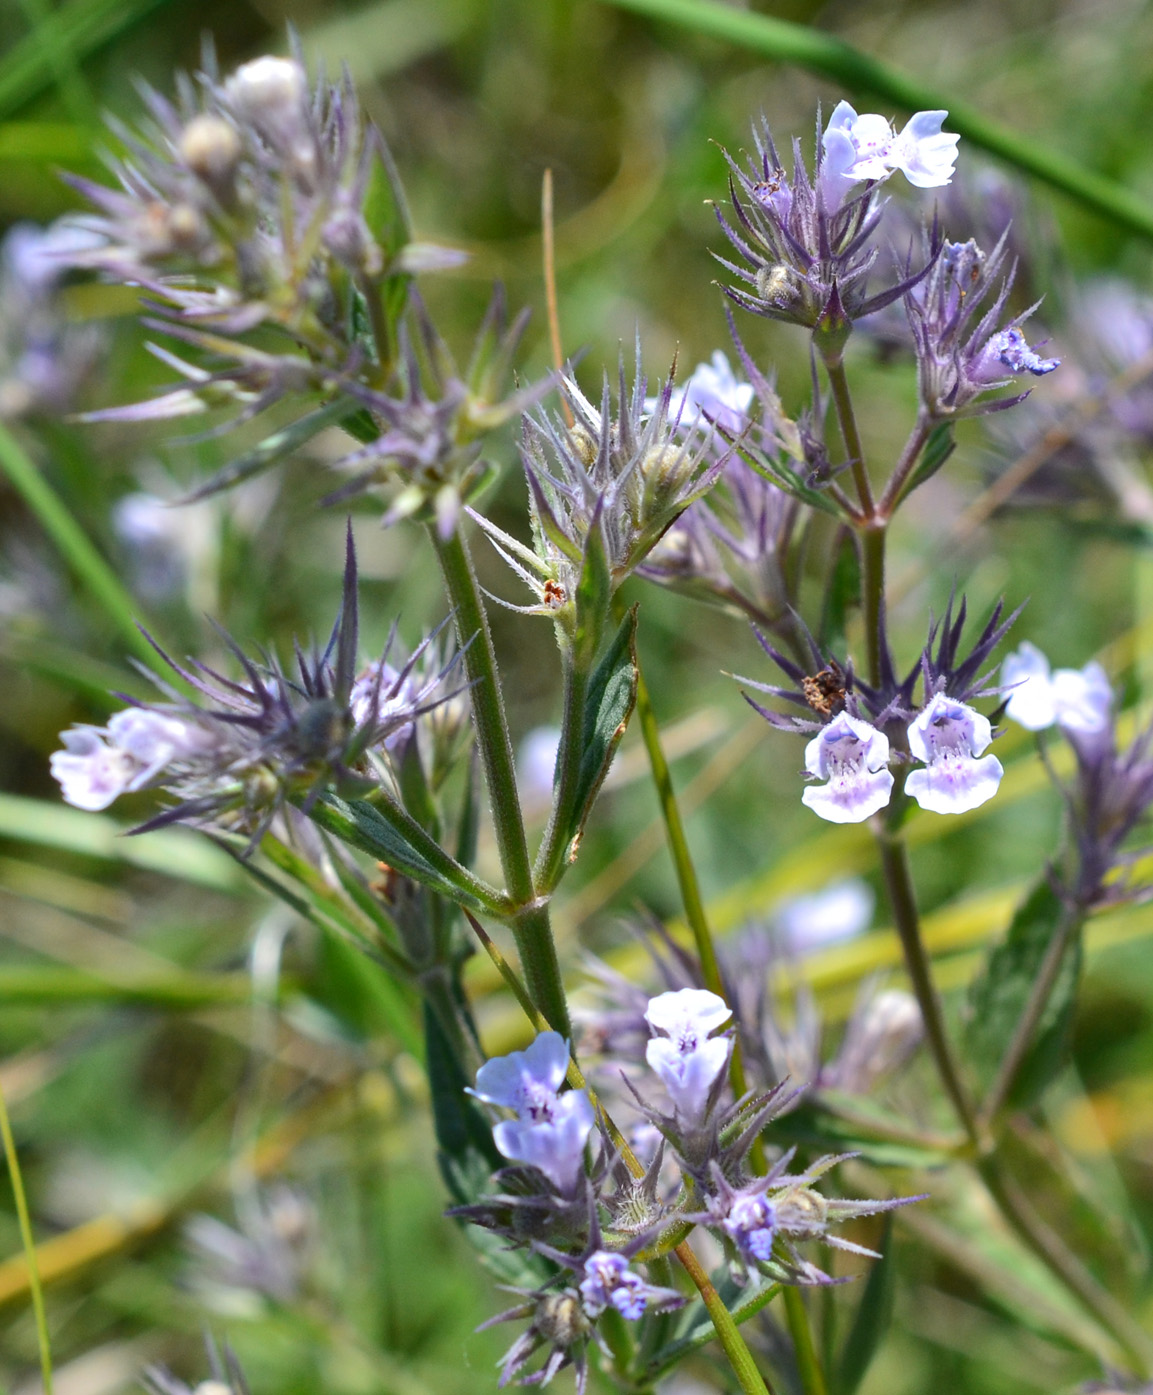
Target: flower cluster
column 957, row 360
column 606, row 489
column 852, row 754
column 254, row 746
column 1113, row 789
column 807, row 242
column 759, row 1220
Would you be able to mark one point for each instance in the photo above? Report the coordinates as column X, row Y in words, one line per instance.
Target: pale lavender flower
column 686, row 1057
column 1077, row 700
column 951, row 738
column 712, row 394
column 866, row 147
column 91, row 773
column 838, row 912
column 551, row 1128
column 852, row 757
column 751, row 1224
column 956, row 362
column 138, row 745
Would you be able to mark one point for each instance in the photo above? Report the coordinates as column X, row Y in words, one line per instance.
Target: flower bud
column 210, row 147
column 268, row 90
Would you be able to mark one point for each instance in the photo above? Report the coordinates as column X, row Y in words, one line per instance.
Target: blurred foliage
column 150, row 1074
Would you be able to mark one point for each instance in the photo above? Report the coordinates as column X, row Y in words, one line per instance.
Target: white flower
column 551, row 1129
column 851, row 755
column 866, row 147
column 839, row 912
column 91, row 773
column 687, row 1058
column 712, row 394
column 1078, row 700
column 98, row 764
column 536, row 764
column 949, row 737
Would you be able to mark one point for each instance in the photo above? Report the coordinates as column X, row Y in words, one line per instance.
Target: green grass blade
column 862, row 74
column 174, row 852
column 71, row 540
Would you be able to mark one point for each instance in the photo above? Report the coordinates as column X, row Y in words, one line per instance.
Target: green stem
column 872, row 537
column 551, row 859
column 847, row 419
column 732, row 1343
column 862, row 74
column 902, row 898
column 1070, row 923
column 809, row 1367
column 67, row 535
column 530, row 923
column 687, row 879
column 28, row 1243
column 1051, row 1249
column 906, row 464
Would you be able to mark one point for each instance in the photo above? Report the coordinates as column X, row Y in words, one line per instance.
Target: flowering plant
column 655, row 1167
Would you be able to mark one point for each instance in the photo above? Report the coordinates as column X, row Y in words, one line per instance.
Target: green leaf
column 388, row 834
column 611, row 698
column 593, row 593
column 843, row 592
column 365, row 998
column 999, row 994
column 938, row 448
column 276, row 447
column 874, row 1313
column 785, row 478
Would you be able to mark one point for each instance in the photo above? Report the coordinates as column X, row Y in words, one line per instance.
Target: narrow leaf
column 612, row 696
column 391, row 836
column 275, row 448
column 999, row 994
column 874, row 1313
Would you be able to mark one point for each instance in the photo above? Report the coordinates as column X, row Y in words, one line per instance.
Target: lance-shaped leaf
column 612, row 696
column 276, row 447
column 938, row 448
column 387, row 833
column 999, row 995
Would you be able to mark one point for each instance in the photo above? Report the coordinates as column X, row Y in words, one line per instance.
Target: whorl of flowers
column 806, row 242
column 244, row 749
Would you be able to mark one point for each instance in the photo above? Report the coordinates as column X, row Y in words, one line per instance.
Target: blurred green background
column 151, row 1076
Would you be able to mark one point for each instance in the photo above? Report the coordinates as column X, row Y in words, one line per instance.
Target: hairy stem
column 906, row 464
column 846, row 418
column 732, row 1343
column 530, row 923
column 550, row 862
column 872, row 537
column 902, row 898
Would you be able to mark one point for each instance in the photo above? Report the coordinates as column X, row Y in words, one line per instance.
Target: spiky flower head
column 245, row 749
column 959, row 360
column 807, row 242
column 764, row 1219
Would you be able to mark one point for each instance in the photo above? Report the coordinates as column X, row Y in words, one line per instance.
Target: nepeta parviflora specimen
column 265, row 226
